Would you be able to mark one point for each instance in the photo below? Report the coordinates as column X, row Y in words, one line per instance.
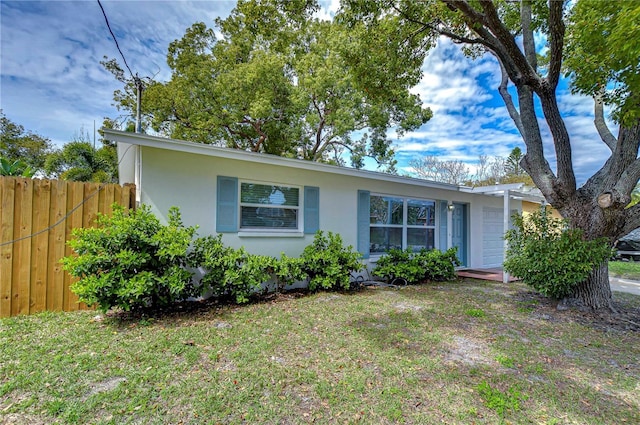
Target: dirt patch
column 21, row 419
column 468, row 351
column 106, row 385
column 407, row 307
column 625, row 319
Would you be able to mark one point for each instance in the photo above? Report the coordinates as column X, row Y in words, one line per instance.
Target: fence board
column 22, row 229
column 57, row 241
column 74, row 220
column 37, row 219
column 6, row 250
column 40, row 245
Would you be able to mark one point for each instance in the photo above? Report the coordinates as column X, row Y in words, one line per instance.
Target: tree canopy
column 278, row 80
column 22, row 148
column 80, row 160
column 534, row 42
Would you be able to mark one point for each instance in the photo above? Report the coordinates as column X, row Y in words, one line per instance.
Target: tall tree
column 596, row 43
column 80, row 160
column 512, row 164
column 280, row 81
column 430, row 167
column 17, row 144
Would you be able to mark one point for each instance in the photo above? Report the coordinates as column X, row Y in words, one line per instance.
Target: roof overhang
column 515, row 191
column 240, row 155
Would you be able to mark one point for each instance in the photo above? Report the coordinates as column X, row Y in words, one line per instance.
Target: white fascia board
column 496, row 189
column 240, row 155
column 515, row 192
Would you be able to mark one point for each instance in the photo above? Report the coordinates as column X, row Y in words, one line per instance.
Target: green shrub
column 229, row 272
column 418, row 266
column 131, row 260
column 328, row 264
column 288, row 270
column 549, row 256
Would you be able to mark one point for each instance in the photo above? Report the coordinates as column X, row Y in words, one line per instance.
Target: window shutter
column 311, row 209
column 442, row 228
column 363, row 222
column 227, row 205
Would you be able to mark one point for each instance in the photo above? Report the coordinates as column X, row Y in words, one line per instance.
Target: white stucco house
column 270, row 204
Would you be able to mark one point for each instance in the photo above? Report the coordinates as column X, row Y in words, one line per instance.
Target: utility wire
column 63, row 219
column 116, row 41
column 137, row 80
column 138, row 83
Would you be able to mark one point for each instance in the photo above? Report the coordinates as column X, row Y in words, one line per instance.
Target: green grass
column 625, row 269
column 421, row 354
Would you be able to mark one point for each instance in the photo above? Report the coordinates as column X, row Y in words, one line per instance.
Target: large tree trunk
column 583, row 212
column 595, row 292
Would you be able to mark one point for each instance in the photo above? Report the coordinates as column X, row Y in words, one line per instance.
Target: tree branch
column 556, row 41
column 499, row 39
column 508, row 100
column 627, row 163
column 506, row 39
column 561, row 140
column 319, row 129
column 527, row 34
column 534, row 161
column 632, row 219
column 605, row 134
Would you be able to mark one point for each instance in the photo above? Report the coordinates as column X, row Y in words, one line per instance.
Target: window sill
column 246, row 234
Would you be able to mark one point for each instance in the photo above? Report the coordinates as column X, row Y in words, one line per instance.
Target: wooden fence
column 37, row 217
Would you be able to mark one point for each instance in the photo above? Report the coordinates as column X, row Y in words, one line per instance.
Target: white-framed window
column 267, row 206
column 401, row 223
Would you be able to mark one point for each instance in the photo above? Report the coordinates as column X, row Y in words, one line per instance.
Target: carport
column 496, row 221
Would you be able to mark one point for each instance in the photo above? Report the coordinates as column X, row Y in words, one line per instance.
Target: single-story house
column 272, row 205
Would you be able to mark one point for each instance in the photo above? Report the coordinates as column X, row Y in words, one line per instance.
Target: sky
column 53, row 85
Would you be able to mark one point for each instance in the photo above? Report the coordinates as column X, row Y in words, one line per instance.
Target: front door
column 459, row 231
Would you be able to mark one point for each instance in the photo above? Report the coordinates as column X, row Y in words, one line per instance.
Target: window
column 400, row 223
column 266, row 206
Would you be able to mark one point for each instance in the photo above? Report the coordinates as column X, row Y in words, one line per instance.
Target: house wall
column 186, row 180
column 530, row 207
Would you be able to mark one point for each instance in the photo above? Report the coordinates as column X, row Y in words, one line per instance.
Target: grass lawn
column 625, row 269
column 457, row 353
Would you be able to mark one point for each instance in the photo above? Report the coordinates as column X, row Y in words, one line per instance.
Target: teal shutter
column 364, row 213
column 442, row 226
column 311, row 209
column 227, row 205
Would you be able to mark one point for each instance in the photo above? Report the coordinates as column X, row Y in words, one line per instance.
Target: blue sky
column 53, row 84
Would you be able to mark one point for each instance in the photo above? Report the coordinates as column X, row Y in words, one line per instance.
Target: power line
column 116, row 40
column 63, row 219
column 137, row 80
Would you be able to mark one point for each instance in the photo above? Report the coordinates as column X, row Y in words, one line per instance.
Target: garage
column 492, row 237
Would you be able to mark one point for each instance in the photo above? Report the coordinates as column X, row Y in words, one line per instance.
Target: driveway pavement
column 624, row 285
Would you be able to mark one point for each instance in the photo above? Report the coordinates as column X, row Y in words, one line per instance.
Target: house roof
column 240, row 155
column 515, row 190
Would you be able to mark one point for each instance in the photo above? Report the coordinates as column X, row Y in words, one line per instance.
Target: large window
column 400, row 223
column 266, row 206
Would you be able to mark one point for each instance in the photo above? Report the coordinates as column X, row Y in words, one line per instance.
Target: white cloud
column 52, row 82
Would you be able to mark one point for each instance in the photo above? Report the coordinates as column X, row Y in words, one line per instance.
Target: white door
column 492, row 237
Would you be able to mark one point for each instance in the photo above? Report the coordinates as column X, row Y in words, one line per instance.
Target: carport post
column 505, row 225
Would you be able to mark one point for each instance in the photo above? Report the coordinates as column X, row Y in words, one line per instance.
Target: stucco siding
column 188, row 180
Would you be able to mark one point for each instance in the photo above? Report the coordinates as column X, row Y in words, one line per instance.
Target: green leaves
column 23, row 153
column 550, row 257
column 328, row 263
column 602, row 54
column 131, row 260
column 415, row 267
column 79, row 160
column 280, row 82
column 15, row 168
